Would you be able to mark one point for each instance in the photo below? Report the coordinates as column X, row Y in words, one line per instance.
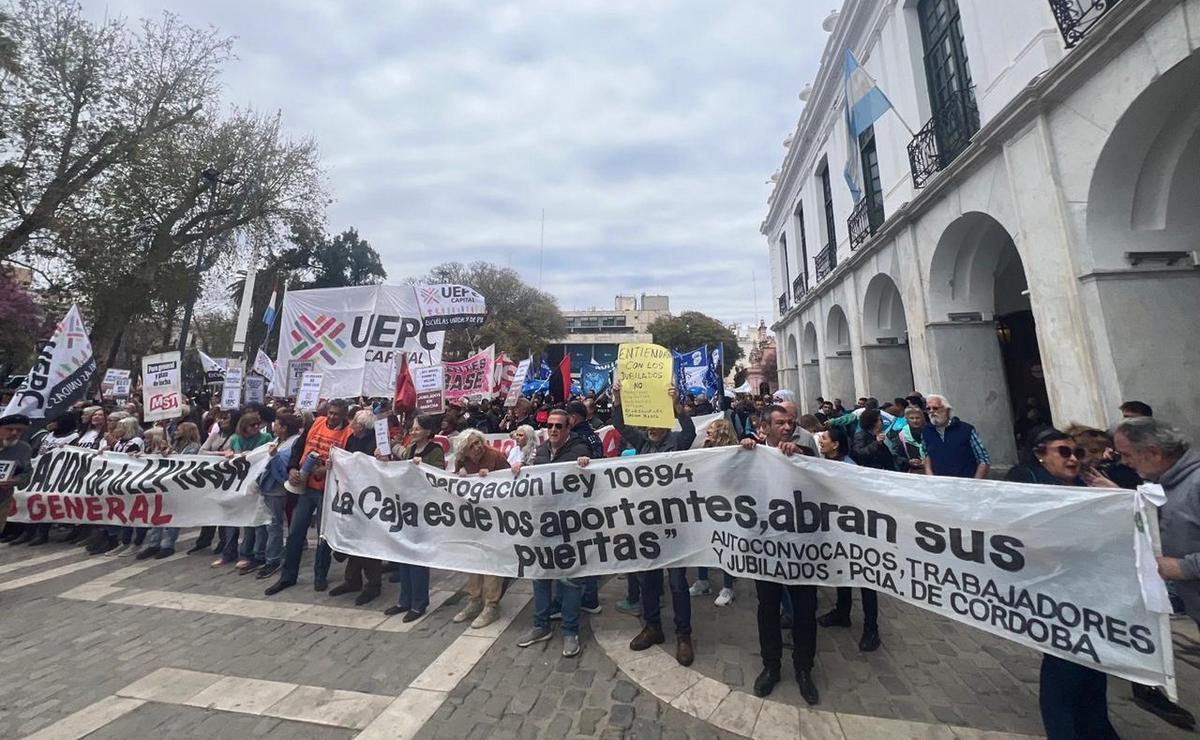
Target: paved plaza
column 105, row 647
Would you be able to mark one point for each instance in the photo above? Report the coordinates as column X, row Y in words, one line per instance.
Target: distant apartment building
column 593, row 334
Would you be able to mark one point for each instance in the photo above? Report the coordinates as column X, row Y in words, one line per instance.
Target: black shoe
column 164, row 553
column 146, row 554
column 1153, row 700
column 834, row 618
column 25, row 536
column 267, row 570
column 199, row 547
column 110, row 543
column 278, row 586
column 808, row 689
column 6, row 538
column 870, row 641
column 40, row 539
column 649, row 636
column 765, row 683
column 413, row 615
column 366, row 597
column 394, row 609
column 343, row 588
column 320, row 584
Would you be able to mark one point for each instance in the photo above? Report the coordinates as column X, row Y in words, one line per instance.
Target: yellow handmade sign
column 644, row 371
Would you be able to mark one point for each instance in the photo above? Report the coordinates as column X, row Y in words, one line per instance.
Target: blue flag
column 595, row 378
column 544, row 370
column 690, row 370
column 714, row 383
column 865, row 103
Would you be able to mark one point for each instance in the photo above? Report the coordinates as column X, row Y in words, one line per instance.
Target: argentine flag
column 269, row 314
column 865, row 103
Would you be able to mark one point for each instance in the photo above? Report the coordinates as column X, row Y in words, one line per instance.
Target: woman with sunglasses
column 1073, row 698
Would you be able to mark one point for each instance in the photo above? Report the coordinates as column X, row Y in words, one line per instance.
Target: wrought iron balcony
column 799, row 287
column 783, row 303
column 865, row 220
column 1076, row 17
column 826, row 260
column 943, row 137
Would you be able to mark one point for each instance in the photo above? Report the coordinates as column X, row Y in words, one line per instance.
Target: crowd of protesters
column 918, row 435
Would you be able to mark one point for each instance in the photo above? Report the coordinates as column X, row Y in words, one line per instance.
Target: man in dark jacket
column 14, row 459
column 560, row 446
column 584, row 431
column 653, row 440
column 869, row 446
column 952, row 446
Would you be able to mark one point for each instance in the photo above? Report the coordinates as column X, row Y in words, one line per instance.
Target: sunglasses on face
column 556, row 425
column 1067, row 452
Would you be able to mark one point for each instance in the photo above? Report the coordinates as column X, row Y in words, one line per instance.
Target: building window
column 870, row 168
column 827, row 198
column 787, row 276
column 803, row 239
column 945, row 53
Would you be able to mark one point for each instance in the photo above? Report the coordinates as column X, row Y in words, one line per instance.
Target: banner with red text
column 471, row 378
column 73, row 485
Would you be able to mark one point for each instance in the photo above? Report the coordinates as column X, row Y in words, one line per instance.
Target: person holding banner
column 15, row 455
column 719, row 434
column 778, row 426
column 561, row 445
column 249, row 555
column 475, row 456
column 160, row 543
column 651, row 441
column 326, row 432
column 523, row 452
column 414, row 579
column 362, row 439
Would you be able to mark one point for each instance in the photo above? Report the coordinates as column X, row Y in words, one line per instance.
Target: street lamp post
column 212, row 178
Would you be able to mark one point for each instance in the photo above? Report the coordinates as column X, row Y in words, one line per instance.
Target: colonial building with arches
column 1029, row 232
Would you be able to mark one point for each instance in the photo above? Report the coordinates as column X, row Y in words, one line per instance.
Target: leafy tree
column 691, row 329
column 89, row 98
column 21, row 322
column 521, row 318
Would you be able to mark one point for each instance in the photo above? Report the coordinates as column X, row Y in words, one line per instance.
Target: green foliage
column 691, row 329
column 521, row 318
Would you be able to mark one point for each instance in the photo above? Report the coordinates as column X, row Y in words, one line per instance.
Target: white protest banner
column 80, row 486
column 161, row 393
column 518, row 382
column 61, row 373
column 351, row 334
column 231, row 391
column 1049, row 567
column 296, row 370
column 115, row 384
column 470, row 378
column 383, row 439
column 214, row 370
column 428, row 383
column 309, row 395
column 448, row 306
column 264, row 366
column 255, row 389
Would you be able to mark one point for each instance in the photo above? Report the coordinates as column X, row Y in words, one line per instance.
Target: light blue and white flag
column 865, row 103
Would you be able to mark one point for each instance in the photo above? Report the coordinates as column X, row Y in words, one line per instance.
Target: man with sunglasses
column 560, row 446
column 648, row 442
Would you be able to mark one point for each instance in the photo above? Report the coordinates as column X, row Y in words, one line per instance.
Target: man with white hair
column 952, row 446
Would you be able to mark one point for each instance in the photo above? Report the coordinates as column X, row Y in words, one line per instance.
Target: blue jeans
column 274, row 539
column 229, row 535
column 414, row 587
column 254, row 544
column 307, row 511
column 163, row 537
column 702, row 574
column 570, row 593
column 633, row 588
column 1074, row 701
column 681, row 601
column 133, row 535
column 591, row 592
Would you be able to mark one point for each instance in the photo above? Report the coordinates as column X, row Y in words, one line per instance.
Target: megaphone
column 310, row 462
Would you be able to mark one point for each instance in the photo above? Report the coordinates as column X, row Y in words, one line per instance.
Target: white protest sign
column 116, row 383
column 6, row 469
column 255, row 389
column 296, row 370
column 383, row 439
column 231, row 391
column 309, row 394
column 428, row 383
column 79, row 486
column 518, row 382
column 1010, row 568
column 161, row 392
column 448, row 306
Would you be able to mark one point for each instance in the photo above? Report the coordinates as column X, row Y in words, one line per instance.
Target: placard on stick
column 645, row 373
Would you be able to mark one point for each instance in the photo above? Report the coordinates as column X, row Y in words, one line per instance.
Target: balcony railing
column 943, row 137
column 799, row 287
column 1077, row 17
column 865, row 220
column 783, row 303
column 826, row 260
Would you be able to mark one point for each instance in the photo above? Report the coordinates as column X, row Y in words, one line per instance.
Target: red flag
column 560, row 380
column 503, row 374
column 406, row 393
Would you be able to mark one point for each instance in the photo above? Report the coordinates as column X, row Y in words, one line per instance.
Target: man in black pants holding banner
column 779, row 426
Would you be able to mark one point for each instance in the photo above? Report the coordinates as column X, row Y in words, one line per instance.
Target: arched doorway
column 1143, row 218
column 983, row 337
column 885, row 341
column 839, row 365
column 810, row 368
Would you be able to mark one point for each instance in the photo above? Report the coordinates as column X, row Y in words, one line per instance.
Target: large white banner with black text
column 1049, row 567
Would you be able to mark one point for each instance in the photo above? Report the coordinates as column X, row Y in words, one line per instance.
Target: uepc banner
column 350, row 335
column 79, row 486
column 1049, row 567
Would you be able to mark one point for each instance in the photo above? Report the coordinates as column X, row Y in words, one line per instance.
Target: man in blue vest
column 952, row 446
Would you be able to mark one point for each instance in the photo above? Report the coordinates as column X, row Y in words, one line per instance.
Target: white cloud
column 645, row 130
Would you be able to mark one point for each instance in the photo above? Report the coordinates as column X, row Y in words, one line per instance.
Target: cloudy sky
column 644, row 128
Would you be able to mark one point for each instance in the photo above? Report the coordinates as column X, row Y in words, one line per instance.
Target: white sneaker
column 469, row 612
column 725, row 598
column 116, row 551
column 700, row 588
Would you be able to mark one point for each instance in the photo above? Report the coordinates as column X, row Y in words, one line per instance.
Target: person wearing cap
column 15, row 454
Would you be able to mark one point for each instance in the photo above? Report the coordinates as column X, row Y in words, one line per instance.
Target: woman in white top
column 525, row 448
column 96, row 424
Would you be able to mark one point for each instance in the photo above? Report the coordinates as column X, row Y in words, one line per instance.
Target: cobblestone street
column 108, row 647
